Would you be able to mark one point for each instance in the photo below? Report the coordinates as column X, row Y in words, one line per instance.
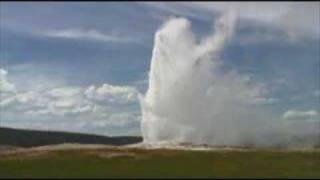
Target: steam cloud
column 191, row 100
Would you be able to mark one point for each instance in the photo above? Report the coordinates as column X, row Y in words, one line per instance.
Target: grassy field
column 129, row 162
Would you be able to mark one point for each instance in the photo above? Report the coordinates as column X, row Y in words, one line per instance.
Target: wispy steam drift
column 190, row 99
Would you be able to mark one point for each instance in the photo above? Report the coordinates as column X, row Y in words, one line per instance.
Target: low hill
column 30, row 138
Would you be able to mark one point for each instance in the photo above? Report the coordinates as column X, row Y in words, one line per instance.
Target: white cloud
column 263, row 100
column 112, row 94
column 24, row 100
column 88, row 34
column 60, row 106
column 39, row 104
column 254, row 10
column 64, row 92
column 6, row 101
column 62, row 110
column 295, row 114
column 5, row 85
column 65, row 103
column 110, row 103
column 11, row 96
column 174, row 8
column 295, row 18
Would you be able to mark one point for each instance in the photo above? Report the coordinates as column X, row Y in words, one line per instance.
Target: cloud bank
column 88, row 35
column 298, row 115
column 5, row 85
column 104, row 105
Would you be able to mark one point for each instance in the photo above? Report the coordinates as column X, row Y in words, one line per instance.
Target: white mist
column 190, row 100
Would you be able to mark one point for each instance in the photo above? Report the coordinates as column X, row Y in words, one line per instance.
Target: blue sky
column 79, row 66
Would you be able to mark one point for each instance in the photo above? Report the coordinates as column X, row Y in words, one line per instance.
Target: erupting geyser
column 190, row 98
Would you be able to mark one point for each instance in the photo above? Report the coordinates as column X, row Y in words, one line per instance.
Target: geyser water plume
column 190, row 99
